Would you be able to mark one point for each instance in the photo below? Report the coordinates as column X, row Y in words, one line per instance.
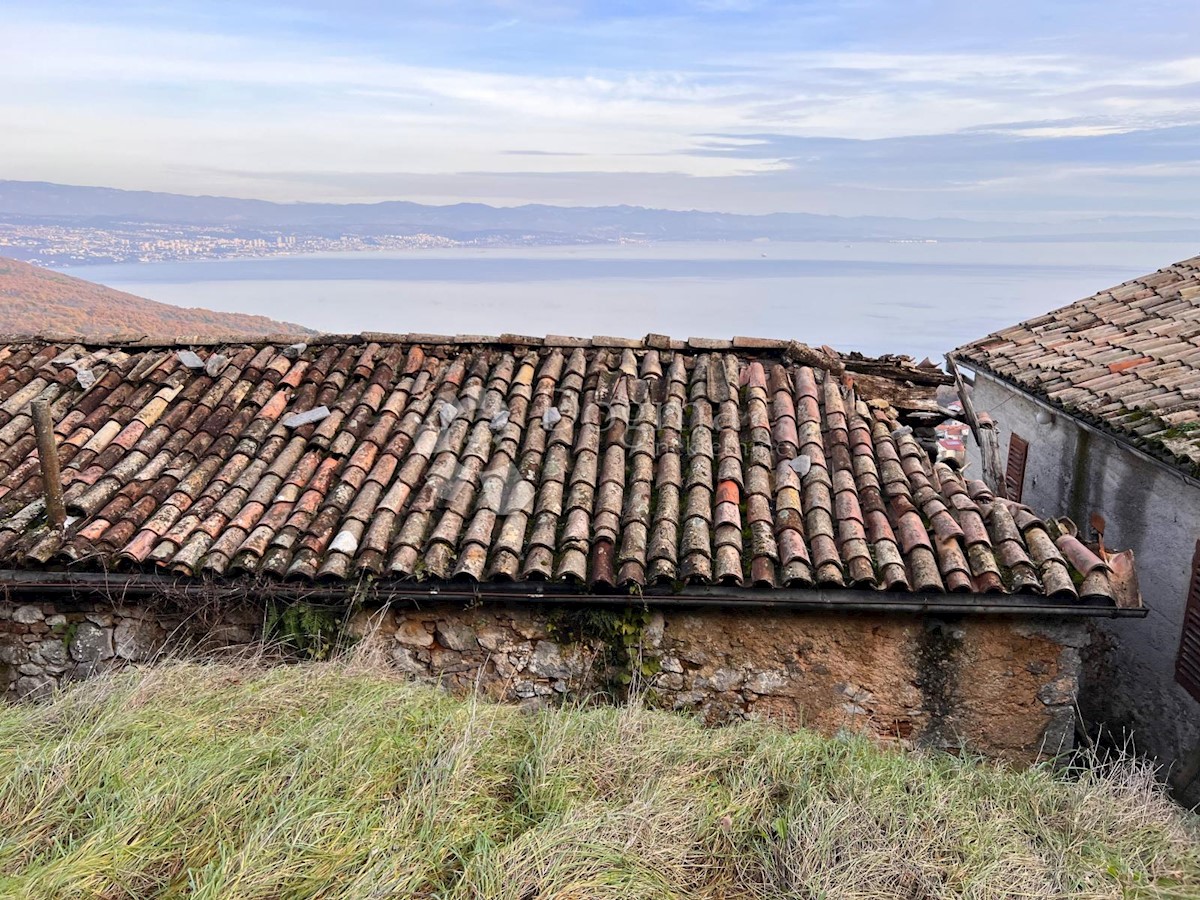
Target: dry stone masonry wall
column 1001, row 686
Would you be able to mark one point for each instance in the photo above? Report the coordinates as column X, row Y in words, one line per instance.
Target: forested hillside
column 37, row 301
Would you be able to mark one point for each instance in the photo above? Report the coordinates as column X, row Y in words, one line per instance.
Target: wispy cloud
column 714, row 105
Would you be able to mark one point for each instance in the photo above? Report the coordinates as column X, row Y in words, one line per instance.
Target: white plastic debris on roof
column 499, row 421
column 551, row 417
column 190, row 359
column 293, row 351
column 345, row 542
column 447, row 412
column 85, row 378
column 295, row 420
column 519, row 498
column 801, row 464
column 215, row 364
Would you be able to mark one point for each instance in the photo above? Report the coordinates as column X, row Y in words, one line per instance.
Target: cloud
column 735, row 105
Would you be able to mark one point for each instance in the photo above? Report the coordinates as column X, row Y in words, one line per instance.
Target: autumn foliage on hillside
column 36, row 301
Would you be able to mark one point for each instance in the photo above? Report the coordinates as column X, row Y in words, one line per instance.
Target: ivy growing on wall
column 311, row 632
column 617, row 635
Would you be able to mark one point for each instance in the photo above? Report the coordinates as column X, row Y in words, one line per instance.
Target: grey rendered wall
column 1150, row 509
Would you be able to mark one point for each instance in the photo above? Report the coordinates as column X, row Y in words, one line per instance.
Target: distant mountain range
column 41, row 203
column 39, row 301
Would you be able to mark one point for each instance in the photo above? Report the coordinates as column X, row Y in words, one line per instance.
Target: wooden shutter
column 1187, row 663
column 1014, row 475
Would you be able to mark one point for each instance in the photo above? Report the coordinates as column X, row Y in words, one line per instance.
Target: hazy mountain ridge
column 39, row 301
column 98, row 207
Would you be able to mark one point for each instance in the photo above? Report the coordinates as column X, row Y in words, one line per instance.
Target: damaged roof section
column 603, row 464
column 1126, row 359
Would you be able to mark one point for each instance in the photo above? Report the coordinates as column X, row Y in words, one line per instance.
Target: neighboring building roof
column 604, row 464
column 1127, row 359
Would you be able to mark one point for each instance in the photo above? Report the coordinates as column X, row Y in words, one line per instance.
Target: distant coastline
column 68, row 226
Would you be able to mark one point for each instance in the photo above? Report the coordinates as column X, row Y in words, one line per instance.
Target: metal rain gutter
column 120, row 586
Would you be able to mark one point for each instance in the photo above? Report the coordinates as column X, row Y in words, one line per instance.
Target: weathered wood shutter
column 1014, row 475
column 1187, row 663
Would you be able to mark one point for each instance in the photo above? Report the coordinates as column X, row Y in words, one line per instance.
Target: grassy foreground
column 336, row 781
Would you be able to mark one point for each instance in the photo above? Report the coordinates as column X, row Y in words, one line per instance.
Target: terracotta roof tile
column 1127, row 358
column 606, row 463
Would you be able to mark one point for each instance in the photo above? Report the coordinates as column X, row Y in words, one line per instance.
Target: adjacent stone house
column 1098, row 405
column 738, row 528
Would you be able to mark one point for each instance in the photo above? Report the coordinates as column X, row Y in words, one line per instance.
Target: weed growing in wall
column 310, row 632
column 617, row 634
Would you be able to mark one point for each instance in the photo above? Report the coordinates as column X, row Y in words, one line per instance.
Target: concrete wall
column 1000, row 686
column 1130, row 668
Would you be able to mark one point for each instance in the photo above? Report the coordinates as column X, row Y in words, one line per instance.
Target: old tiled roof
column 1127, row 358
column 599, row 463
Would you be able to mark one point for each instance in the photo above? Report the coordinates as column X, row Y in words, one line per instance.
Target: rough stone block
column 1060, row 691
column 652, row 634
column 33, row 687
column 413, row 633
column 137, row 640
column 688, row 699
column 456, row 636
column 13, row 653
column 405, row 659
column 27, row 615
column 493, row 637
column 1059, row 734
column 92, row 643
column 671, row 664
column 52, row 652
column 766, row 682
column 445, row 660
column 529, row 625
column 547, row 661
column 721, row 680
column 693, row 654
column 669, row 681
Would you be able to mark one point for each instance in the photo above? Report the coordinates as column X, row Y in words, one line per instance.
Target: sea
column 917, row 298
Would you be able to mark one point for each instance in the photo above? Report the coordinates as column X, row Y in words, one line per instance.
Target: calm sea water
column 920, row 299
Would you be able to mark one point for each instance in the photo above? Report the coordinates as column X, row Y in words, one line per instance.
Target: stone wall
column 45, row 644
column 1129, row 685
column 1001, row 686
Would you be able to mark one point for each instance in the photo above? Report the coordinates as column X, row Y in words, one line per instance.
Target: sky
column 1018, row 110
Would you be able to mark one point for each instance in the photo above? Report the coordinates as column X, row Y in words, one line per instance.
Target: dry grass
column 339, row 781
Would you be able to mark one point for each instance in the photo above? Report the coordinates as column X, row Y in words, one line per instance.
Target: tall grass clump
column 330, row 780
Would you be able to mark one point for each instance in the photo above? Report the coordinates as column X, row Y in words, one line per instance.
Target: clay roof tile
column 659, row 456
